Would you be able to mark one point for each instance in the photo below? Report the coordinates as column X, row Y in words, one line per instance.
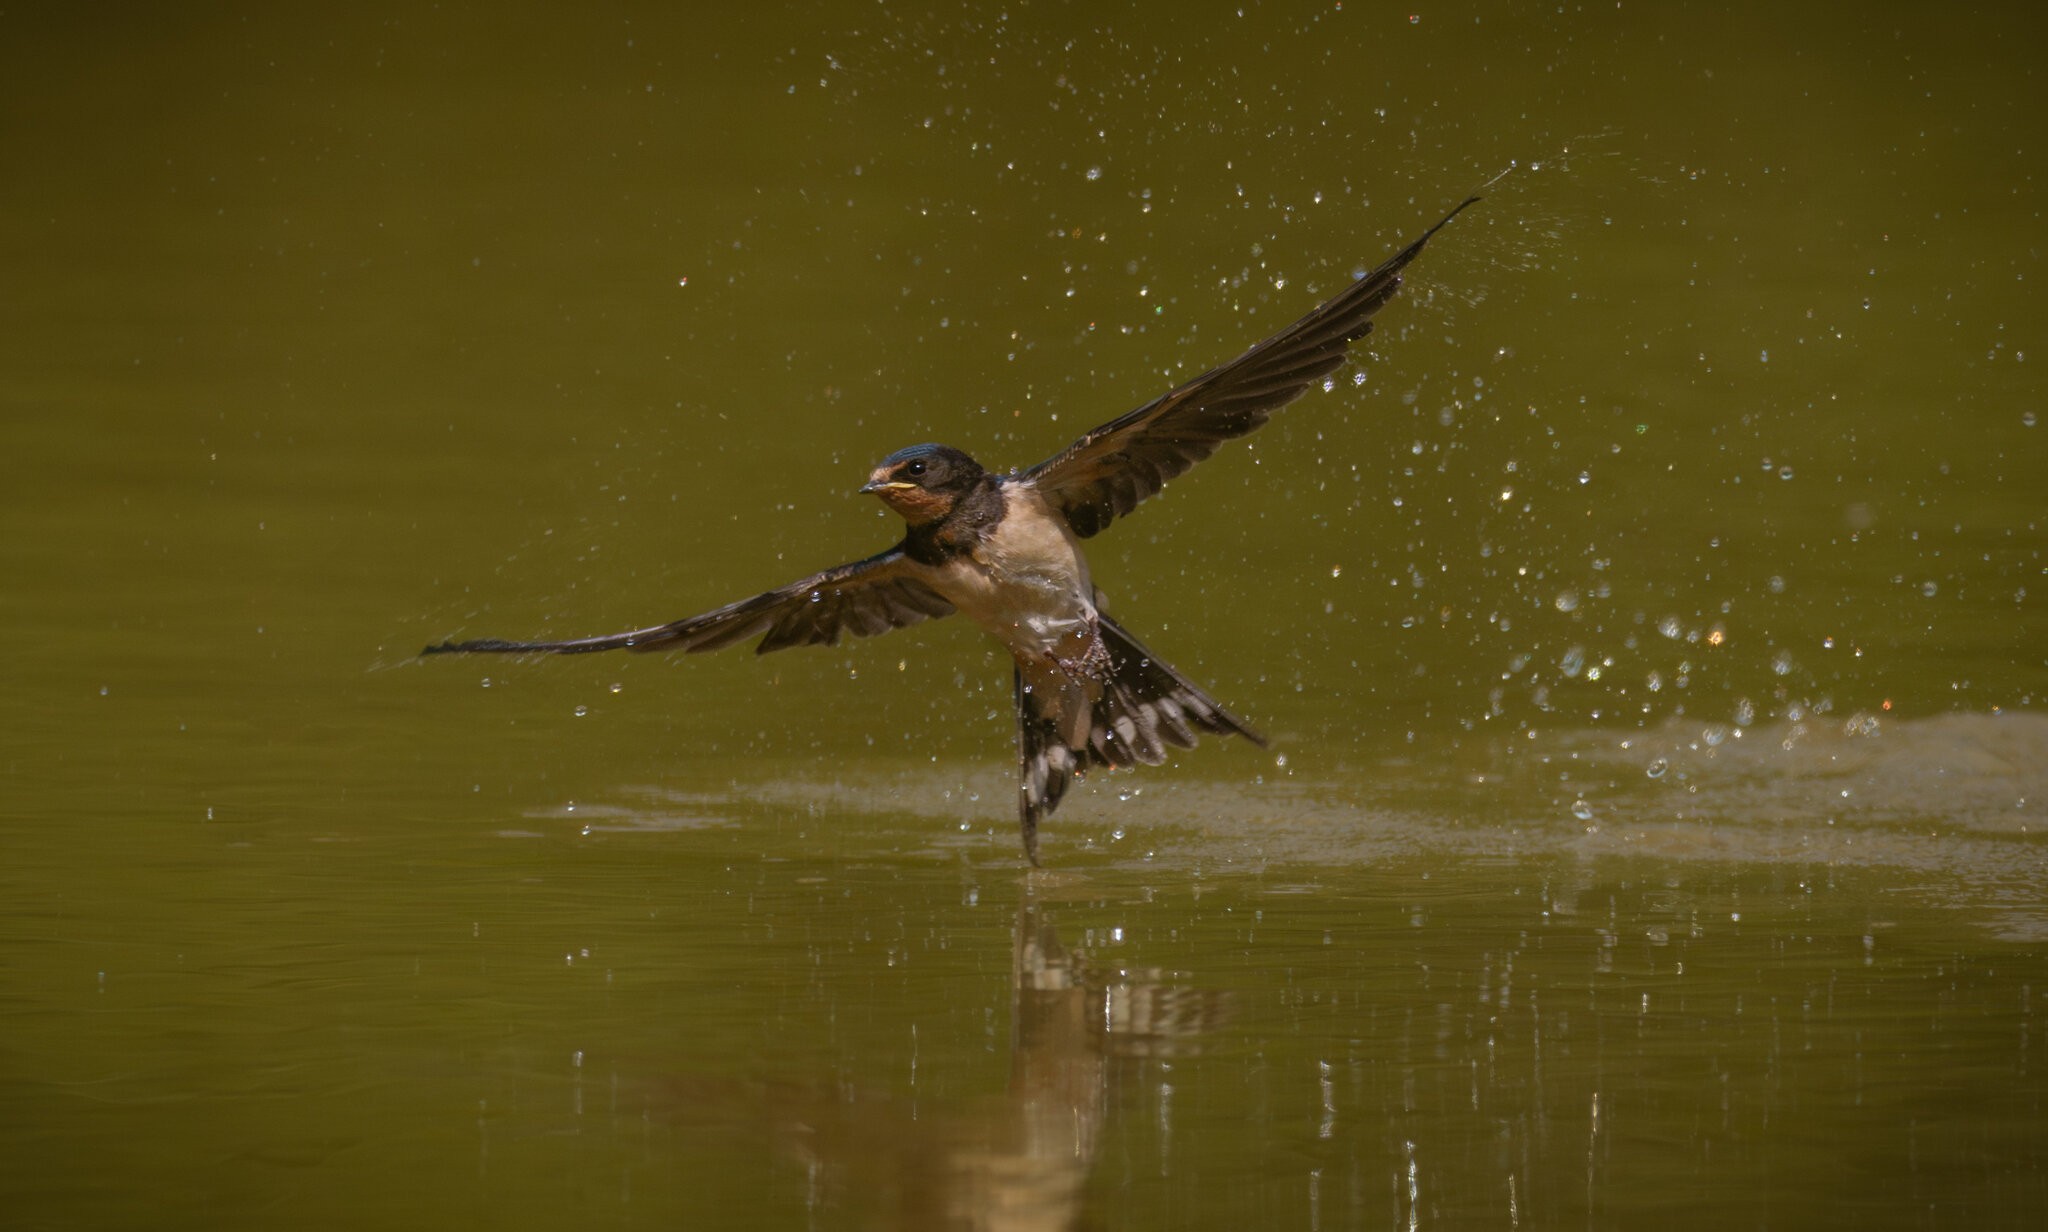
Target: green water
column 1651, row 646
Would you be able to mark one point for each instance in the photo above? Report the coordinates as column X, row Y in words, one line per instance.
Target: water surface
column 1651, row 643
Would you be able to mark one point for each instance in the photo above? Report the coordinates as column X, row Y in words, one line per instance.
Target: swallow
column 1004, row 550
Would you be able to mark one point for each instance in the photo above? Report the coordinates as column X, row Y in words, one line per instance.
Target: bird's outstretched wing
column 1106, row 473
column 863, row 598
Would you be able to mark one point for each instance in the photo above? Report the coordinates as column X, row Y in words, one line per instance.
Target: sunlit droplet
column 1657, row 768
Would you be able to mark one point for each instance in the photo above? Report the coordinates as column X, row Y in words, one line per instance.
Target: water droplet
column 1928, row 588
column 1094, row 173
column 581, row 711
column 1657, row 768
column 1567, row 600
column 618, row 686
column 2027, row 418
column 1582, row 810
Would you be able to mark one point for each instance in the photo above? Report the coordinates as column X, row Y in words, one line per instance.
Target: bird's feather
column 1141, row 707
column 1108, row 471
column 863, row 598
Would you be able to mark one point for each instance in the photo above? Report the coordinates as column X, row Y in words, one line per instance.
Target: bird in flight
column 1005, row 551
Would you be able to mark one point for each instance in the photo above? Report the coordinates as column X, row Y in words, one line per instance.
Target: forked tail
column 1144, row 706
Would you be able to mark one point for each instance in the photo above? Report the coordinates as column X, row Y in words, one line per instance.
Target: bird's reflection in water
column 1080, row 1032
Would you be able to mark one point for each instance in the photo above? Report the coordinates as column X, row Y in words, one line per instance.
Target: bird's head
column 923, row 482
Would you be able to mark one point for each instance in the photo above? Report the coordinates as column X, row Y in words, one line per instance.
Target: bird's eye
column 914, row 469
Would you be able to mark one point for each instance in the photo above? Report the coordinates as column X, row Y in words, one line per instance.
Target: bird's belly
column 1027, row 584
column 1032, row 614
column 1031, row 621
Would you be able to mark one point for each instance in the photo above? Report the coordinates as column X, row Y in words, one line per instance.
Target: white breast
column 1027, row 583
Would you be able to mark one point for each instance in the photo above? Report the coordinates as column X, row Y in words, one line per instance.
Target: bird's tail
column 1142, row 707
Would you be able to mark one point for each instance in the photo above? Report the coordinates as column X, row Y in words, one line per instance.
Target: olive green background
column 1651, row 643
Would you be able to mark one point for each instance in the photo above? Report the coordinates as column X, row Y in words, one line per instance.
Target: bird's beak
column 876, row 484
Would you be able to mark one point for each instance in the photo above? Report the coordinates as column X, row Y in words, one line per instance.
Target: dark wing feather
column 864, row 598
column 1106, row 473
